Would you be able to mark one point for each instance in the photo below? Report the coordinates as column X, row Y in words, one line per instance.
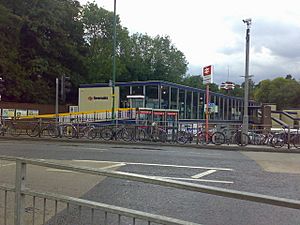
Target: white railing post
column 19, row 196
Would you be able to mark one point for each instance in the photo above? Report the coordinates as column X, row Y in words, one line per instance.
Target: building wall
column 97, row 98
column 164, row 95
column 291, row 122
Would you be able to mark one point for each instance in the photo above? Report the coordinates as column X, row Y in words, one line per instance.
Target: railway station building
column 190, row 102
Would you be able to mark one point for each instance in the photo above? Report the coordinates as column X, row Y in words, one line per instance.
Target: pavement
column 230, row 147
column 254, row 170
column 50, row 180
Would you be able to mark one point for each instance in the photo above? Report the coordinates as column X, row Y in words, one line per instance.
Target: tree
column 49, row 43
column 283, row 92
column 154, row 59
column 193, row 81
column 10, row 70
column 98, row 26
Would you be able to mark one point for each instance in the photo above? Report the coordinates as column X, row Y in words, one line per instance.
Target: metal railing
column 182, row 133
column 20, row 191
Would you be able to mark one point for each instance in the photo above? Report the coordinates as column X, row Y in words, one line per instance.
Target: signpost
column 207, row 79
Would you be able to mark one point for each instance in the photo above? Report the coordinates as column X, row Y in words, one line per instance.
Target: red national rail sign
column 207, row 74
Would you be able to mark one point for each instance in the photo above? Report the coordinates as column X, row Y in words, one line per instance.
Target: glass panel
column 124, row 92
column 181, row 104
column 152, row 97
column 188, row 105
column 201, row 106
column 195, row 105
column 174, row 98
column 164, row 97
column 137, row 90
column 220, row 108
column 216, row 108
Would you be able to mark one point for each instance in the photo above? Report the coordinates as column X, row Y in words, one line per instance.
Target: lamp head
column 247, row 21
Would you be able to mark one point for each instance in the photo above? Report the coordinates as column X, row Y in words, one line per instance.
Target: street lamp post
column 56, row 99
column 246, row 95
column 114, row 63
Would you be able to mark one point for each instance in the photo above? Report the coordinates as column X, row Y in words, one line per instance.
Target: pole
column 114, row 63
column 56, row 99
column 62, row 89
column 206, row 112
column 246, row 94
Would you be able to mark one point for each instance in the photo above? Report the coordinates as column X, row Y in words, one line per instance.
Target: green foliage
column 284, row 92
column 154, row 59
column 44, row 40
column 193, row 81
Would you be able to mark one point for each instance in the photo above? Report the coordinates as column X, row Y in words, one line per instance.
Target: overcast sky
column 211, row 32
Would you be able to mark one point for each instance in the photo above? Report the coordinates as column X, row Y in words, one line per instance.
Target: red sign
column 207, row 74
column 207, row 71
column 145, row 112
column 158, row 113
column 171, row 113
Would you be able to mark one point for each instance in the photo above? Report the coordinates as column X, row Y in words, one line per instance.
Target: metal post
column 114, row 63
column 56, row 99
column 19, row 197
column 246, row 95
column 289, row 137
column 206, row 112
column 62, row 88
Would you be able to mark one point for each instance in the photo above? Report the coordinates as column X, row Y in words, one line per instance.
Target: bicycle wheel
column 92, row 133
column 13, row 131
column 69, row 131
column 52, row 131
column 83, row 131
column 106, row 133
column 202, row 138
column 182, row 137
column 162, row 136
column 127, row 134
column 257, row 139
column 296, row 141
column 140, row 135
column 277, row 141
column 33, row 131
column 241, row 139
column 218, row 138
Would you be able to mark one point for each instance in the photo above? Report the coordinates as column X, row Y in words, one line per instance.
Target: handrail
column 74, row 113
column 108, row 208
column 253, row 197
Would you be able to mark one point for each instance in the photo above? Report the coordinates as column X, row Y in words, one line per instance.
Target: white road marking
column 203, row 174
column 61, row 171
column 84, row 148
column 159, row 165
column 113, row 166
column 9, row 164
column 201, row 180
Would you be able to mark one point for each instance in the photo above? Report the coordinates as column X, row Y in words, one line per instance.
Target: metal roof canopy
column 161, row 83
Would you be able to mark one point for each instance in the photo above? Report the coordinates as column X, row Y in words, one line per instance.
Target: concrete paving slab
column 276, row 162
column 48, row 180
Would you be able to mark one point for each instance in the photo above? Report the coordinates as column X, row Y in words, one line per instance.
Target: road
column 276, row 174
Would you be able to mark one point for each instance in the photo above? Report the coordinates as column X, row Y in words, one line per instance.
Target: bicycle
column 40, row 129
column 261, row 138
column 280, row 139
column 10, row 128
column 150, row 133
column 216, row 138
column 235, row 137
column 115, row 133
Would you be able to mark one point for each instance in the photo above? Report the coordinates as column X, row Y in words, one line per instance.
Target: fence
column 20, row 192
column 88, row 116
column 134, row 130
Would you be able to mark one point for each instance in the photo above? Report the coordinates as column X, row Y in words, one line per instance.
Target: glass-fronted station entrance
column 190, row 102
